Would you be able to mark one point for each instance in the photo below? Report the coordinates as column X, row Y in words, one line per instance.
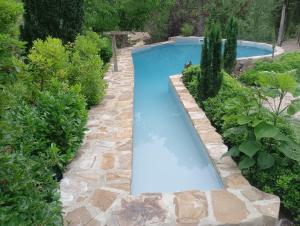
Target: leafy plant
column 86, row 68
column 47, row 59
column 29, row 193
column 52, row 129
column 191, row 78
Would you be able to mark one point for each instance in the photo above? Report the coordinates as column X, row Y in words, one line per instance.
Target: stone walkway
column 102, row 168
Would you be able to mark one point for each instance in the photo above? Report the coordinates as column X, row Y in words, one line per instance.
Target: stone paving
column 95, row 190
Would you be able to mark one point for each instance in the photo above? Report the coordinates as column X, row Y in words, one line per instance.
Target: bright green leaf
column 264, row 130
column 290, row 151
column 250, row 148
column 242, row 120
column 294, row 107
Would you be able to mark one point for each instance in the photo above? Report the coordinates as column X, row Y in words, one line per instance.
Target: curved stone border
column 95, row 190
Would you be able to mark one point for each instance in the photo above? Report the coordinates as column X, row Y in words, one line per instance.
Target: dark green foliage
column 72, row 16
column 57, row 18
column 105, row 50
column 211, row 76
column 230, row 49
column 29, row 193
column 282, row 180
column 255, row 143
column 52, row 129
column 41, row 19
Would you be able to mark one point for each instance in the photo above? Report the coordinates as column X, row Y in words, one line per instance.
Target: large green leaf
column 246, row 163
column 265, row 160
column 291, row 151
column 294, row 107
column 243, row 119
column 250, row 148
column 264, row 130
column 234, row 152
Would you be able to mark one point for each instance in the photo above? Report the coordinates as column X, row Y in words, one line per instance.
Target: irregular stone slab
column 94, row 222
column 103, row 199
column 190, row 207
column 227, row 207
column 108, row 161
column 253, row 194
column 79, row 216
column 148, row 211
column 236, row 181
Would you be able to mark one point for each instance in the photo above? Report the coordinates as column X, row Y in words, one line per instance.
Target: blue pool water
column 168, row 155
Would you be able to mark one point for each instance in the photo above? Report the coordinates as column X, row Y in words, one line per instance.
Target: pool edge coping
column 267, row 205
column 177, row 39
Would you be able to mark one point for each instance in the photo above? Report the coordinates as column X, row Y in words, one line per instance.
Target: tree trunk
column 282, row 24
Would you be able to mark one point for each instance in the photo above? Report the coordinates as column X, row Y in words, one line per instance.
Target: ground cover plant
column 264, row 142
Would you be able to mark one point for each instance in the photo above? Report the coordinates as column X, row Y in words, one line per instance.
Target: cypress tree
column 57, row 18
column 230, row 50
column 72, row 15
column 41, row 19
column 216, row 60
column 203, row 81
column 211, row 63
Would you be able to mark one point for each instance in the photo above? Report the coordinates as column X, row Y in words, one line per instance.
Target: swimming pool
column 168, row 155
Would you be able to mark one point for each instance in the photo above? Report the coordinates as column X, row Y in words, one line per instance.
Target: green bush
column 105, row 50
column 86, row 68
column 29, row 193
column 187, row 29
column 287, row 62
column 191, row 76
column 47, row 59
column 282, row 180
column 260, row 148
column 52, row 129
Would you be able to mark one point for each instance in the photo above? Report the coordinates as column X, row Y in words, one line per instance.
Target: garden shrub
column 86, row 68
column 29, row 193
column 105, row 50
column 47, row 59
column 52, row 129
column 260, row 147
column 283, row 180
column 191, row 76
column 287, row 62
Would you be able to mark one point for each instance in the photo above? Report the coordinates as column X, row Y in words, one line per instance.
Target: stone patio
column 95, row 190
